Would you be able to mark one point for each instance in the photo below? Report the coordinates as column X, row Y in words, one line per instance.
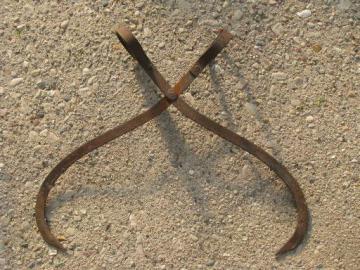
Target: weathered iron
column 172, row 97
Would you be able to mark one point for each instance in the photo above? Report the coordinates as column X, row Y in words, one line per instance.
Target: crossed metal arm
column 172, row 97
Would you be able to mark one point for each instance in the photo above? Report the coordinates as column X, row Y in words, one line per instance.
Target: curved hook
column 78, row 153
column 267, row 159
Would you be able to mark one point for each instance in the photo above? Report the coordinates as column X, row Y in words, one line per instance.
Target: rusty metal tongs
column 172, row 97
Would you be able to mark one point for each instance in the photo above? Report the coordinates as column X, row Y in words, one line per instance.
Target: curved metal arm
column 267, row 159
column 78, row 153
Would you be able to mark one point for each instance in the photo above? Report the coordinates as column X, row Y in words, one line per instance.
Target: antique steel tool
column 172, row 97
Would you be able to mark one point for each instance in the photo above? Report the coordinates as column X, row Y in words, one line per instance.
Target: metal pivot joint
column 172, row 96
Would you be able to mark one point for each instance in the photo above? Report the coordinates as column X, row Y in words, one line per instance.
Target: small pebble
column 161, row 45
column 64, row 24
column 28, row 184
column 346, row 184
column 241, row 84
column 298, row 81
column 35, row 72
column 210, row 22
column 217, row 69
column 139, row 4
column 237, row 14
column 53, row 72
column 52, row 251
column 316, row 48
column 30, row 265
column 250, row 107
column 16, row 81
column 311, row 125
column 246, row 171
column 46, row 84
column 61, row 238
column 189, row 97
column 21, row 27
column 295, row 102
column 34, row 136
column 70, row 231
column 2, row 91
column 280, row 76
column 132, row 220
column 52, row 138
column 25, row 64
column 44, row 133
column 309, row 119
column 191, row 172
column 84, row 91
column 40, row 114
column 278, row 28
column 91, row 80
column 344, row 4
column 351, row 94
column 85, row 71
column 210, row 262
column 304, row 13
column 3, row 112
column 105, row 3
column 147, row 32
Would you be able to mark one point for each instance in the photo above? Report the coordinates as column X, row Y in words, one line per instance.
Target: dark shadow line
column 216, row 85
column 173, row 139
column 266, row 129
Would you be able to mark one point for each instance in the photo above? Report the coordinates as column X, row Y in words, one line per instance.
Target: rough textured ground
column 170, row 195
